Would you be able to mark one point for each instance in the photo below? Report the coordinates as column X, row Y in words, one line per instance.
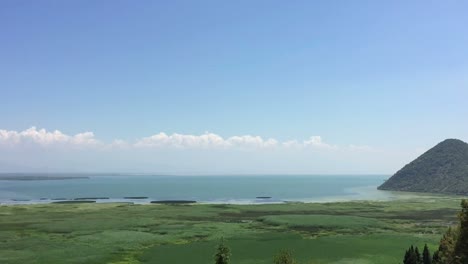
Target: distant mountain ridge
column 442, row 169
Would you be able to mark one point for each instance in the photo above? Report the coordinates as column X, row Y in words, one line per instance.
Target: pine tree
column 417, row 256
column 412, row 256
column 223, row 253
column 426, row 255
column 436, row 258
column 445, row 254
column 453, row 246
column 406, row 257
column 461, row 246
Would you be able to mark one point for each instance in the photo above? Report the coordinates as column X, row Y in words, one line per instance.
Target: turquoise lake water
column 210, row 189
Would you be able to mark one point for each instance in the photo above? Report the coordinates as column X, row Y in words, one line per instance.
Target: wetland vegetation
column 339, row 232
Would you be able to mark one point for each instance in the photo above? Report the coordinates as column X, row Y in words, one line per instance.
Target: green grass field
column 341, row 232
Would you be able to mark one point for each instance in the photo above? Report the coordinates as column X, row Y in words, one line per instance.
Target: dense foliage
column 453, row 247
column 445, row 254
column 461, row 247
column 442, row 169
column 412, row 256
column 426, row 257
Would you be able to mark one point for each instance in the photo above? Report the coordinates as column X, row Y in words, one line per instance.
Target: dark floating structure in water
column 136, row 197
column 263, row 197
column 21, row 200
column 74, row 202
column 38, row 177
column 174, row 202
column 91, row 198
column 58, row 199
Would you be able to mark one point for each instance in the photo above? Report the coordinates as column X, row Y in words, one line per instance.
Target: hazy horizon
column 168, row 174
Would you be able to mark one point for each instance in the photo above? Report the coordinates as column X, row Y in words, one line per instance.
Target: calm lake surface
column 209, row 189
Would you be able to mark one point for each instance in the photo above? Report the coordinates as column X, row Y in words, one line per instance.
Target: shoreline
column 137, row 200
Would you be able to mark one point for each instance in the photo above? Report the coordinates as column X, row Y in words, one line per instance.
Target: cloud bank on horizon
column 207, row 140
column 42, row 150
column 44, row 137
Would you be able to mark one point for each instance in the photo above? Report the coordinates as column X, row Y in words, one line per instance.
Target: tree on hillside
column 412, row 256
column 445, row 253
column 453, row 246
column 436, row 258
column 426, row 255
column 461, row 245
column 284, row 257
column 223, row 253
column 418, row 256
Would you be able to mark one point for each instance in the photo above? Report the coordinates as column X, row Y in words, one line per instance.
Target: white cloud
column 316, row 141
column 181, row 141
column 207, row 140
column 181, row 153
column 251, row 142
column 45, row 138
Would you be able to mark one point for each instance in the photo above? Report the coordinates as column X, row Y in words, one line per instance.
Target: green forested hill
column 442, row 169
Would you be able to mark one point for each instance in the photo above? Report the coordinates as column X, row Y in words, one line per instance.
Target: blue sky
column 388, row 76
